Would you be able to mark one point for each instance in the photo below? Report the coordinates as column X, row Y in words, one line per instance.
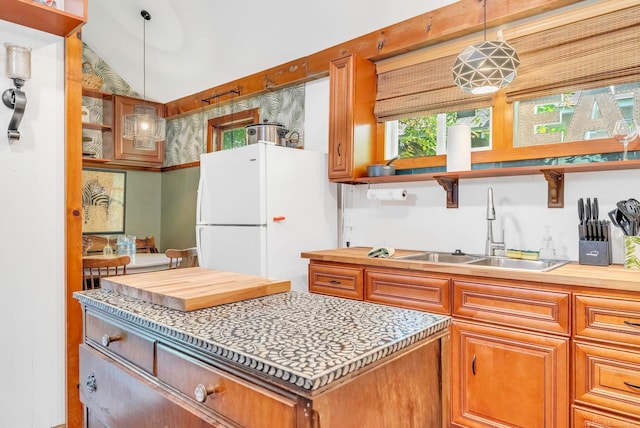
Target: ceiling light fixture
column 485, row 67
column 144, row 127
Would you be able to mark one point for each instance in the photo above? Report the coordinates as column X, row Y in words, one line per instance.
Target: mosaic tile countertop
column 306, row 339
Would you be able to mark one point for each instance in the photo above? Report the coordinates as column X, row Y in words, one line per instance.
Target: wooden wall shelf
column 554, row 174
column 46, row 18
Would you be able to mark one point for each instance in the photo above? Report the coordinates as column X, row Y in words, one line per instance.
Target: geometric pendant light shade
column 143, row 126
column 485, row 67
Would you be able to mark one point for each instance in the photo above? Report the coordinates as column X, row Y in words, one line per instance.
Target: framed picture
column 103, row 196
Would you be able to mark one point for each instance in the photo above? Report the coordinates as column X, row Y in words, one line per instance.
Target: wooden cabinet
column 337, row 280
column 224, row 393
column 592, row 419
column 607, row 359
column 352, row 124
column 64, row 21
column 122, row 150
column 102, row 131
column 411, row 290
column 97, row 125
column 503, row 373
column 528, row 353
column 134, row 374
column 115, row 395
column 508, row 377
column 532, row 309
column 137, row 349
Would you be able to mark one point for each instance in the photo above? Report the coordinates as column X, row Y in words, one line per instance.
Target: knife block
column 596, row 253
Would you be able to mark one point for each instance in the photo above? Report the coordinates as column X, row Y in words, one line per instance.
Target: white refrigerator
column 260, row 206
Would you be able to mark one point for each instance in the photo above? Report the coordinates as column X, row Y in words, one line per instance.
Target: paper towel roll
column 387, row 194
column 459, row 148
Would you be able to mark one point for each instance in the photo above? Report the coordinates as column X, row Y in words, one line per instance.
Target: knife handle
column 581, row 210
column 595, row 211
column 587, row 209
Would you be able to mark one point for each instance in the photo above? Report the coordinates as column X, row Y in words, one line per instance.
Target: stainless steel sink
column 505, row 262
column 490, row 261
column 441, row 257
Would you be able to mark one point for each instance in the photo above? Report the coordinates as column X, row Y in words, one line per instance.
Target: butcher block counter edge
column 613, row 277
column 379, row 333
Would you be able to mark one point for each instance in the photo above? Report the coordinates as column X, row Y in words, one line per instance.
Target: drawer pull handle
column 106, row 339
column 202, row 392
column 631, row 323
column 629, row 384
column 473, row 364
column 333, row 281
column 91, row 383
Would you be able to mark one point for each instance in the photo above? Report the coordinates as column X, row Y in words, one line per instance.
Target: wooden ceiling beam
column 446, row 23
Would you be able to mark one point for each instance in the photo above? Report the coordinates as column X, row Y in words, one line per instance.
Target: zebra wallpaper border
column 103, row 201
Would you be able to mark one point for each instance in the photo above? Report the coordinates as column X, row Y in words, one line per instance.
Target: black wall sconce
column 18, row 69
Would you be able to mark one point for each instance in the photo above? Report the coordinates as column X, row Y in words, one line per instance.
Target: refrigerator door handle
column 199, row 242
column 199, row 194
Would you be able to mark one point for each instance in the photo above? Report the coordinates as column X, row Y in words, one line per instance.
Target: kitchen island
column 291, row 359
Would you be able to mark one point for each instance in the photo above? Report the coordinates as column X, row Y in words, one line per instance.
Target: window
column 573, row 116
column 576, row 76
column 227, row 132
column 427, row 135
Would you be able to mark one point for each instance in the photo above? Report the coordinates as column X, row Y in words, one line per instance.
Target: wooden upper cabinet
column 352, row 124
column 122, row 151
column 60, row 20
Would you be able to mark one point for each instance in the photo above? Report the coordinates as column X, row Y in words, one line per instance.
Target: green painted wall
column 179, row 190
column 143, row 204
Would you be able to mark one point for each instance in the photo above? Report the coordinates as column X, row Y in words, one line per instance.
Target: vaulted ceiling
column 192, row 45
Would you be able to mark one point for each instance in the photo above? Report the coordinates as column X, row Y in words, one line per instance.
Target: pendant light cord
column 146, row 17
column 485, row 19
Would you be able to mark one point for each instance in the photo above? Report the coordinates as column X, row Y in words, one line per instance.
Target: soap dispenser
column 547, row 247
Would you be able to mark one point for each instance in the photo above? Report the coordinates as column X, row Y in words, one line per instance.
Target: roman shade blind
column 586, row 53
column 423, row 89
column 591, row 53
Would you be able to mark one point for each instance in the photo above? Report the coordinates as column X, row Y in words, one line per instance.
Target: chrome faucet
column 491, row 245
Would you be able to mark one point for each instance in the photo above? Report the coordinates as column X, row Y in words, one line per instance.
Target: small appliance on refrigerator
column 259, row 206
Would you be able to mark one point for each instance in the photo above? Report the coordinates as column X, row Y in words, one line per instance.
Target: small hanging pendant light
column 485, row 67
column 144, row 127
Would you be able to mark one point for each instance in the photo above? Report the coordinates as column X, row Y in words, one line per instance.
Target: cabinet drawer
column 336, row 280
column 546, row 311
column 608, row 319
column 132, row 347
column 412, row 291
column 592, row 419
column 607, row 377
column 228, row 396
column 117, row 397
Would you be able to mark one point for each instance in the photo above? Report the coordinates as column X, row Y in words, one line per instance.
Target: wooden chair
column 182, row 258
column 95, row 243
column 146, row 245
column 96, row 267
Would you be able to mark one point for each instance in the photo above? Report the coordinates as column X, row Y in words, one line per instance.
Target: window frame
column 216, row 126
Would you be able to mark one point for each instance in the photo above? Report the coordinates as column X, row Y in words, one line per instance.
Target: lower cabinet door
column 115, row 396
column 508, row 378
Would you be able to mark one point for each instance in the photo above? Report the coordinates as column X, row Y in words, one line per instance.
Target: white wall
column 32, row 310
column 423, row 222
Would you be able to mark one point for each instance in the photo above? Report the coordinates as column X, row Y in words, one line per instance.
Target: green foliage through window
column 421, row 136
